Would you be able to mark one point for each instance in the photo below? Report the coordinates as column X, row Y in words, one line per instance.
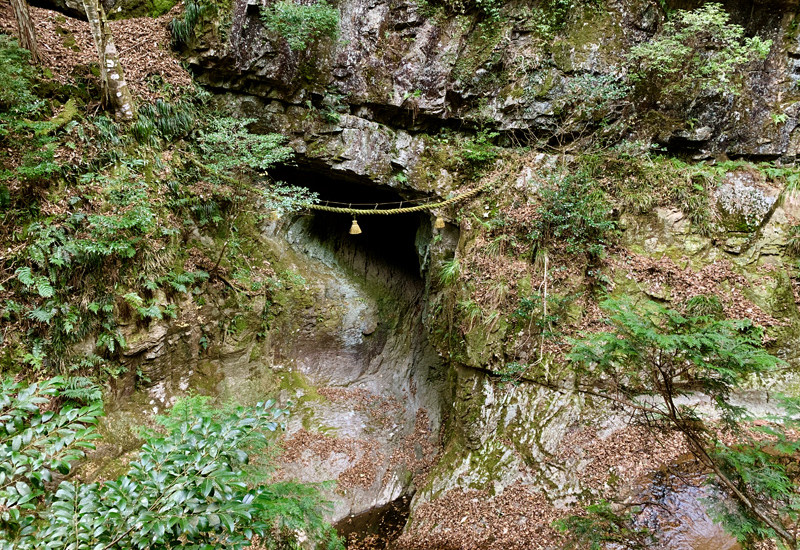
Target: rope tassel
column 439, row 223
column 355, row 229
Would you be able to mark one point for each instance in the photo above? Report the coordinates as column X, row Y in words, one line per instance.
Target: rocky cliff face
column 386, row 401
column 409, row 66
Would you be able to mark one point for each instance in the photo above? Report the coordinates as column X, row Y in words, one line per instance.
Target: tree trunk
column 27, row 32
column 116, row 94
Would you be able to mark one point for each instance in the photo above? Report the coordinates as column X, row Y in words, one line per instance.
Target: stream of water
column 675, row 510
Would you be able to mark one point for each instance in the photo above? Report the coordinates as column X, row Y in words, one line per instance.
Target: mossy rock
column 127, row 9
column 744, row 202
column 588, row 42
column 483, row 343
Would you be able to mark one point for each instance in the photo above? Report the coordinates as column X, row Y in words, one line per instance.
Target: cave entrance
column 391, row 249
column 376, row 286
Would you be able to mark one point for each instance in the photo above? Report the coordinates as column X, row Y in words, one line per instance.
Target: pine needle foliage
column 652, row 356
column 602, row 527
column 652, row 350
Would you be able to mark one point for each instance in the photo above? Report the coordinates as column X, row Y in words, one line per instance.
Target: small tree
column 574, row 217
column 696, row 51
column 188, row 488
column 653, row 355
column 114, row 87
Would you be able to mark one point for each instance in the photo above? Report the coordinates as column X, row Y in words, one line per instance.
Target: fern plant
column 182, row 28
column 162, row 120
column 450, row 272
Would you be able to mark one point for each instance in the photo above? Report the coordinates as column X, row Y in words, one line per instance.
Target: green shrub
column 697, row 51
column 301, row 25
column 574, row 216
column 38, row 165
column 551, row 16
column 188, row 487
column 479, row 151
column 593, row 99
column 533, row 312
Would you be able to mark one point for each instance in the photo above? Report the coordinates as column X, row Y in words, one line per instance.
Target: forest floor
column 68, row 51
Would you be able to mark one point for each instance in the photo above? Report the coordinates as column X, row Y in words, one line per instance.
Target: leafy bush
column 480, row 151
column 551, row 16
column 696, row 51
column 593, row 99
column 188, row 485
column 574, row 215
column 301, row 25
column 489, row 8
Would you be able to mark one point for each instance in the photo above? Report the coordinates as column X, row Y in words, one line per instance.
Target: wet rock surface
column 675, row 510
column 346, row 353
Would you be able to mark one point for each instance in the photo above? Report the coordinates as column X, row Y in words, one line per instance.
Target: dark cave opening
column 389, row 250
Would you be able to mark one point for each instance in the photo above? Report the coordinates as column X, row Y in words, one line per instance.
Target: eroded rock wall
column 415, row 67
column 357, row 344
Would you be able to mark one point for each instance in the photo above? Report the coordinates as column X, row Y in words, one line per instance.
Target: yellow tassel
column 439, row 223
column 354, row 229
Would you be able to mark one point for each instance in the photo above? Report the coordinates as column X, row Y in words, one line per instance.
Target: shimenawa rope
column 391, row 211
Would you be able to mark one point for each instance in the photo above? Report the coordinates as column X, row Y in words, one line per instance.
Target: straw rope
column 366, row 211
column 391, row 211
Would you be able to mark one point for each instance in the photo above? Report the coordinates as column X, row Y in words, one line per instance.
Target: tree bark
column 116, row 94
column 27, row 32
